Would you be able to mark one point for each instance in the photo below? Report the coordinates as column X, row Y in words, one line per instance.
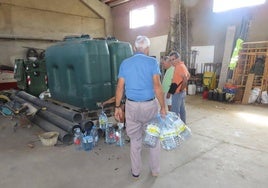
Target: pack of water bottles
column 171, row 131
column 86, row 140
column 103, row 120
column 113, row 134
column 152, row 132
column 119, row 135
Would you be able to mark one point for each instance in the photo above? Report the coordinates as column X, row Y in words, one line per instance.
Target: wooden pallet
column 88, row 114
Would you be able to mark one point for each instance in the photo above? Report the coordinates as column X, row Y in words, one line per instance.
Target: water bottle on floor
column 95, row 135
column 77, row 140
column 103, row 120
column 87, row 143
column 110, row 133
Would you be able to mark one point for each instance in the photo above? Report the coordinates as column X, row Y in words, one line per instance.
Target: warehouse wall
column 121, row 20
column 207, row 28
column 38, row 24
column 210, row 28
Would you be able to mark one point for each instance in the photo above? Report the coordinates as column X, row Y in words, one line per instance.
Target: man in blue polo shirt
column 139, row 77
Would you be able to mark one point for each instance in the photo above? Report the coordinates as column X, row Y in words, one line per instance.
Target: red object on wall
column 7, row 80
column 8, row 85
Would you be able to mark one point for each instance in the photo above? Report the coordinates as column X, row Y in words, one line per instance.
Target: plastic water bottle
column 186, row 133
column 119, row 135
column 77, row 140
column 103, row 120
column 168, row 138
column 95, row 135
column 174, row 122
column 110, row 133
column 87, row 143
column 178, row 140
column 151, row 136
column 182, row 130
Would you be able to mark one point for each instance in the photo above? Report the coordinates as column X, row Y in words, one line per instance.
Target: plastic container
column 119, row 135
column 182, row 130
column 49, row 138
column 168, row 137
column 118, row 52
column 221, row 97
column 205, row 94
column 79, row 72
column 103, row 120
column 95, row 135
column 87, row 143
column 186, row 133
column 191, row 89
column 77, row 140
column 210, row 95
column 110, row 133
column 215, row 95
column 171, row 129
column 152, row 133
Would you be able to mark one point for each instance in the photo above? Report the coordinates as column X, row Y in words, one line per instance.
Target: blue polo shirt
column 138, row 72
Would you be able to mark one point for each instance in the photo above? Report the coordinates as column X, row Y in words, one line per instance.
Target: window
column 224, row 5
column 141, row 17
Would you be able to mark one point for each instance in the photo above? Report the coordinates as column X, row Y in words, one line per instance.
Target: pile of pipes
column 52, row 117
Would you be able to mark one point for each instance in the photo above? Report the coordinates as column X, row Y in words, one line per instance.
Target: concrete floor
column 229, row 148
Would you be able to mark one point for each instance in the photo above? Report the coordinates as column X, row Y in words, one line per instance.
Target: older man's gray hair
column 142, row 42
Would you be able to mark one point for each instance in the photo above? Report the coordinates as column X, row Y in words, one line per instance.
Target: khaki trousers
column 137, row 115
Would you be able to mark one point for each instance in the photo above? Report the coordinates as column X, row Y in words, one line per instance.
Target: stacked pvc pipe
column 51, row 117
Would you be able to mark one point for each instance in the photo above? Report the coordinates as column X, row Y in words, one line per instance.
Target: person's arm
column 118, row 114
column 159, row 94
column 184, row 82
column 109, row 101
column 185, row 77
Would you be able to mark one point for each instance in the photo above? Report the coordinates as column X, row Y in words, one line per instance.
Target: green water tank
column 79, row 72
column 118, row 52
